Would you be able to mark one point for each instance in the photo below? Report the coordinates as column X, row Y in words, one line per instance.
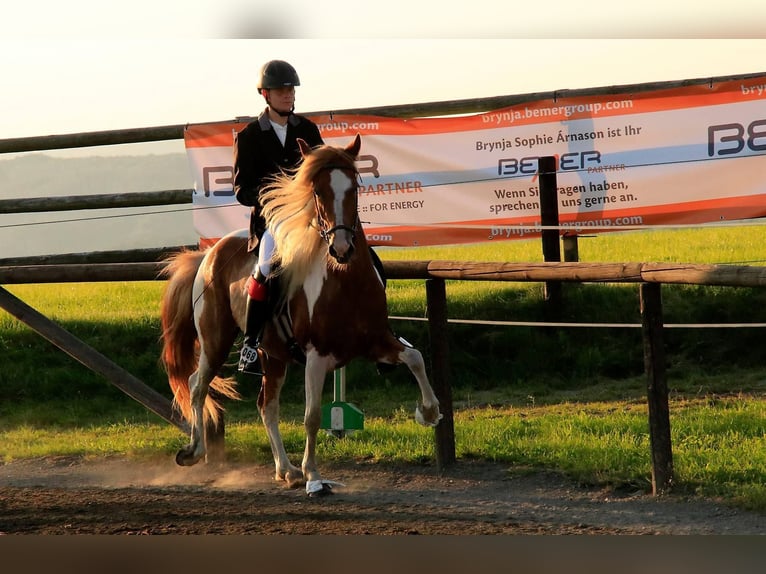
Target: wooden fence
column 648, row 276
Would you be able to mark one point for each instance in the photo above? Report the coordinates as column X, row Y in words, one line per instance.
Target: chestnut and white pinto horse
column 332, row 294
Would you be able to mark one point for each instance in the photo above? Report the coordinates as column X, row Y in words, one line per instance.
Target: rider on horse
column 263, row 149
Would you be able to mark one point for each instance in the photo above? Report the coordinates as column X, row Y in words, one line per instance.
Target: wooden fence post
column 571, row 249
column 549, row 217
column 657, row 388
column 444, row 433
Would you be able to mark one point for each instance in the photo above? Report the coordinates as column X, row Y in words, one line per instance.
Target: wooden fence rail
column 672, row 273
column 676, row 273
column 97, row 201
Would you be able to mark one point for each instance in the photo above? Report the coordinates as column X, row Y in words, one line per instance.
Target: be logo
column 728, row 139
column 218, row 180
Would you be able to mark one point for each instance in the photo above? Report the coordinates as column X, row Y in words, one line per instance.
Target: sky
column 79, row 66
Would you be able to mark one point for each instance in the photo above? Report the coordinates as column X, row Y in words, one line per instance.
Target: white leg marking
column 317, row 368
column 197, row 382
column 270, row 416
column 427, row 413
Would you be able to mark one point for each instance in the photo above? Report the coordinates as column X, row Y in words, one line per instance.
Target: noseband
column 322, row 224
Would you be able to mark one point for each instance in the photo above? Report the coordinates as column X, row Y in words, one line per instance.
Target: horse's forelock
column 325, row 156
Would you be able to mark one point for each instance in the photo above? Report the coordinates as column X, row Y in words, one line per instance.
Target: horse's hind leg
column 199, row 382
column 427, row 412
column 268, row 405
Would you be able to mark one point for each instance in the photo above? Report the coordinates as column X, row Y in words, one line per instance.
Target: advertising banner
column 681, row 155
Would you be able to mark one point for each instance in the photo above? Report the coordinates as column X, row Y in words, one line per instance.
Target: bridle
column 323, row 226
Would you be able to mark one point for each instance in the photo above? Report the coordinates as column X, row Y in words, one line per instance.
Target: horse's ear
column 304, row 147
column 353, row 148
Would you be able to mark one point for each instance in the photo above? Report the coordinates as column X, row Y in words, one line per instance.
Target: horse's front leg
column 268, row 405
column 427, row 412
column 316, row 371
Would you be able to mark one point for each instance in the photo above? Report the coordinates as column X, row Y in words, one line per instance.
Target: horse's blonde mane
column 290, row 213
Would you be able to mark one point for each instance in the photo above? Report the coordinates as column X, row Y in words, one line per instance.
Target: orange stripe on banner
column 212, row 135
column 423, row 236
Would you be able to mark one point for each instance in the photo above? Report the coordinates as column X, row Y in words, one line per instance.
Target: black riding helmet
column 277, row 74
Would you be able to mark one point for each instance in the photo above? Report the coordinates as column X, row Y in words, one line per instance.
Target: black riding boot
column 256, row 314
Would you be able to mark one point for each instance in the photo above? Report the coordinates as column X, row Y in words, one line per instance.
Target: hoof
column 184, row 457
column 326, row 491
column 318, row 490
column 294, row 479
column 430, row 419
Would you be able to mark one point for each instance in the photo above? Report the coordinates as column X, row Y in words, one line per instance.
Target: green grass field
column 570, row 400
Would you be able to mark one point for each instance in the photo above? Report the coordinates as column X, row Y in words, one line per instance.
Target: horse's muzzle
column 341, row 242
column 342, row 254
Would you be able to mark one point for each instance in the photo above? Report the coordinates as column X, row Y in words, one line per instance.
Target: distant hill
column 41, row 175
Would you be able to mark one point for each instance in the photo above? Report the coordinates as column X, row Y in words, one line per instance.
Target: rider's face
column 282, row 99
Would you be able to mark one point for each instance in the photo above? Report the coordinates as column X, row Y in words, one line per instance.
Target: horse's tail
column 180, row 343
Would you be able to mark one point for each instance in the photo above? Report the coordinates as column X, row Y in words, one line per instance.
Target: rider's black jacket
column 259, row 155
